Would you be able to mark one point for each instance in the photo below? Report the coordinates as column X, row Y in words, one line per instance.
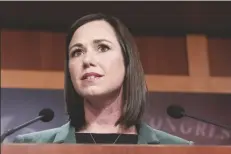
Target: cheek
column 75, row 71
column 115, row 69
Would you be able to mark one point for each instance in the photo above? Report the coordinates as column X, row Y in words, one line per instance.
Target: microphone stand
column 11, row 131
column 206, row 121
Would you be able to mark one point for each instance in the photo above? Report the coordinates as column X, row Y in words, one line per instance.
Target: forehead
column 92, row 31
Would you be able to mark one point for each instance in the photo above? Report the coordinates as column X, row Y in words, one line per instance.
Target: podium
column 110, row 149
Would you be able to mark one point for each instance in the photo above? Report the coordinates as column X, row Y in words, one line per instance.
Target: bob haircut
column 134, row 85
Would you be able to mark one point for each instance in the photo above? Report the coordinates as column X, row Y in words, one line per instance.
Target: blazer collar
column 66, row 134
column 146, row 135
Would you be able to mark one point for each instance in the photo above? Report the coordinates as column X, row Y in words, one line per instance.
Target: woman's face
column 96, row 62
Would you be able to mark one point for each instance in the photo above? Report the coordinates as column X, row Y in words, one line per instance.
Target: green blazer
column 65, row 134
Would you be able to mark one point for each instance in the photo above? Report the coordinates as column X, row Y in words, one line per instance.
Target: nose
column 88, row 59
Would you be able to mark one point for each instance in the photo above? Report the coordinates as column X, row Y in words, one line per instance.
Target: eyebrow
column 76, row 45
column 94, row 41
column 101, row 40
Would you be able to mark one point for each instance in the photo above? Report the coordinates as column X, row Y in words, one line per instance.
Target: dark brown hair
column 134, row 92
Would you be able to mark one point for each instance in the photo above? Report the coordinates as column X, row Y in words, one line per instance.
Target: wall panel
column 163, row 55
column 219, row 53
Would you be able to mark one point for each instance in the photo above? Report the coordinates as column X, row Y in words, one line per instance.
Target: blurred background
column 185, row 49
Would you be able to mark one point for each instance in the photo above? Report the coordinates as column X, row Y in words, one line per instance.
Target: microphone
column 178, row 112
column 45, row 115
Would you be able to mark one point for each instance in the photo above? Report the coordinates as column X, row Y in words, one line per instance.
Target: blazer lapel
column 66, row 134
column 147, row 135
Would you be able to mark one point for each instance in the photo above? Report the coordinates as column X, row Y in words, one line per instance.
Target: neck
column 102, row 113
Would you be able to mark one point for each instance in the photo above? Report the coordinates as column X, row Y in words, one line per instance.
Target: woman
column 105, row 89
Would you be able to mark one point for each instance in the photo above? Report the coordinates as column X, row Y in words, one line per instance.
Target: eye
column 76, row 53
column 103, row 47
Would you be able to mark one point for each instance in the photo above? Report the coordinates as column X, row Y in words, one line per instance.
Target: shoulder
column 45, row 136
column 166, row 138
column 161, row 137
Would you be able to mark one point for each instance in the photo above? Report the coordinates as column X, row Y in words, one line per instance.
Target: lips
column 91, row 75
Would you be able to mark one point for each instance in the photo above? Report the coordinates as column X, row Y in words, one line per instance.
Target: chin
column 92, row 91
column 96, row 91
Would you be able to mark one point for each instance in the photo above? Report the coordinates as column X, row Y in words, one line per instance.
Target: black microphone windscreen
column 47, row 114
column 175, row 111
